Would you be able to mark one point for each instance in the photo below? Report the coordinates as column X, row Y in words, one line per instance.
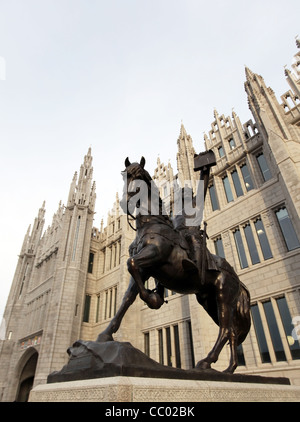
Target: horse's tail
column 243, row 314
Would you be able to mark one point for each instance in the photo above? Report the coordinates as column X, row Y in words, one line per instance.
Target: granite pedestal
column 118, row 372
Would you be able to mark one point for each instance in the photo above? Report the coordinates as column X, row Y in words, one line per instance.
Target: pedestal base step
column 137, row 389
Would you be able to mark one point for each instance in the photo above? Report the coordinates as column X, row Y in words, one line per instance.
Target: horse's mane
column 138, row 172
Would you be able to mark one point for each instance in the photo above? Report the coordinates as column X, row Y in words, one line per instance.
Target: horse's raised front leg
column 114, row 324
column 138, row 264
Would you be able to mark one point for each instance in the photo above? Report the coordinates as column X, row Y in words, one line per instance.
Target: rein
column 133, row 218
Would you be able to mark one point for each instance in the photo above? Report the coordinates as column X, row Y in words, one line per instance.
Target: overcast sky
column 119, row 76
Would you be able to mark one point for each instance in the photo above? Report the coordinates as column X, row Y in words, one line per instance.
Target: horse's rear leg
column 115, row 323
column 233, row 354
column 225, row 297
column 213, row 355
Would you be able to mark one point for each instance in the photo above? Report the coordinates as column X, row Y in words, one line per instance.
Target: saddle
column 195, row 239
column 187, row 237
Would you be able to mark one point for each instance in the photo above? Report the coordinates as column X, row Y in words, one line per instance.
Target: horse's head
column 134, row 172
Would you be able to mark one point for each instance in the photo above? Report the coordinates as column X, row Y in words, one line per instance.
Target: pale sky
column 119, row 76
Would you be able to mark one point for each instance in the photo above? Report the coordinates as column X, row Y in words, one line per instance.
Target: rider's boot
column 189, row 266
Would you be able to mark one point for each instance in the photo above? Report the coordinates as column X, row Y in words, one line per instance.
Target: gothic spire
column 182, row 131
column 249, row 73
column 82, row 192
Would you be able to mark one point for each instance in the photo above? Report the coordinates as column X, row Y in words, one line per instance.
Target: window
column 106, row 302
column 21, row 289
column 104, row 260
column 87, row 305
column 115, row 254
column 119, row 257
column 168, row 343
column 251, row 245
column 227, row 189
column 169, row 349
column 274, row 332
column 147, row 344
column 263, row 165
column 263, row 240
column 287, row 229
column 221, row 152
column 111, row 256
column 269, row 318
column 76, row 238
column 240, row 355
column 191, row 343
column 287, row 325
column 91, row 262
column 177, row 346
column 257, row 249
column 231, row 143
column 161, row 346
column 260, row 335
column 165, row 188
column 98, row 308
column 246, row 177
column 115, row 299
column 110, row 305
column 219, row 247
column 213, row 198
column 240, row 249
column 237, row 184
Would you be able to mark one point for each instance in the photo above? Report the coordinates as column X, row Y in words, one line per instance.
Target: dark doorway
column 24, row 390
column 27, row 378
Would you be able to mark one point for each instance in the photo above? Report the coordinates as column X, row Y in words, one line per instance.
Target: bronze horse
column 158, row 252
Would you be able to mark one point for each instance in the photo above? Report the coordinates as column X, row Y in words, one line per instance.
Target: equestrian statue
column 176, row 256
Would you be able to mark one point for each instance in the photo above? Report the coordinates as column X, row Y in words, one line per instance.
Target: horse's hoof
column 203, row 364
column 229, row 370
column 155, row 301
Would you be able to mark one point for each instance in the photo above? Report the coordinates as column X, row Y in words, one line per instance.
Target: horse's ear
column 142, row 162
column 127, row 162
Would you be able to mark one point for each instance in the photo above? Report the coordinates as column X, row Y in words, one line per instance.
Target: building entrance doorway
column 27, row 377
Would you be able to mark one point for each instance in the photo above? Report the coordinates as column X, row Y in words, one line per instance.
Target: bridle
column 133, row 218
column 139, row 172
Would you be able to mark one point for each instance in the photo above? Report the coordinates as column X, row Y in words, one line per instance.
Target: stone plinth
column 138, row 389
column 91, row 359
